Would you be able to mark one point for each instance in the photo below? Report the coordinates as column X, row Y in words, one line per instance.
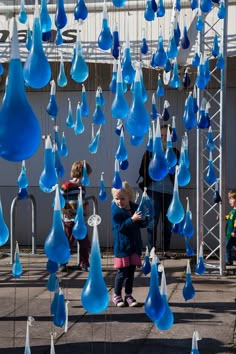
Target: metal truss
column 210, row 216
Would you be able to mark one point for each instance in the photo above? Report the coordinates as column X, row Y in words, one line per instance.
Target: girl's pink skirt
column 133, row 259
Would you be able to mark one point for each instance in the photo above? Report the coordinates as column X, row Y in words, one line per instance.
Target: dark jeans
column 161, row 202
column 84, row 245
column 124, row 276
column 230, row 243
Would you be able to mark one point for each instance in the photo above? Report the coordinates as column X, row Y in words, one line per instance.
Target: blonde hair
column 232, row 194
column 77, row 169
column 127, row 189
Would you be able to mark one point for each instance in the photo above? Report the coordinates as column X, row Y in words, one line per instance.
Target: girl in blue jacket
column 126, row 224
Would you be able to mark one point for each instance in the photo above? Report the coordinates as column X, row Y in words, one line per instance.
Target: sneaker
column 118, row 301
column 130, row 301
column 85, row 267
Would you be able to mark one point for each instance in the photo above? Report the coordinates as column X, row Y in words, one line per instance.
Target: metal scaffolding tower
column 210, row 215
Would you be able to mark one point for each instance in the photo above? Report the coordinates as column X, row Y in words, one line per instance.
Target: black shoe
column 63, row 268
column 229, row 263
column 85, row 267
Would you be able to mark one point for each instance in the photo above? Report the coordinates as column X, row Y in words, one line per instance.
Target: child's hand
column 233, row 234
column 137, row 216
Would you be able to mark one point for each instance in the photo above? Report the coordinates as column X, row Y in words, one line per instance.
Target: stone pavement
column 212, row 312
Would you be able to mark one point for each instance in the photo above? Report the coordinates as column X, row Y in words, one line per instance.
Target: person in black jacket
column 161, row 193
column 126, row 224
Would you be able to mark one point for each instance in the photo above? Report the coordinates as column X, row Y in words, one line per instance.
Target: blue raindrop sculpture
column 60, row 15
column 84, row 103
column 79, row 69
column 188, row 289
column 102, row 192
column 200, row 266
column 22, row 17
column 194, row 4
column 120, row 107
column 200, row 22
column 167, row 319
column 45, row 19
column 59, row 317
column 59, row 38
column 210, row 177
column 185, row 42
column 124, row 165
column 20, row 130
column 201, row 75
column 222, row 10
column 105, row 36
column 136, row 140
column 121, row 153
column 48, row 178
column 216, row 194
column 160, row 89
column 37, row 70
column 149, row 146
column 78, row 126
column 170, row 154
column 52, row 108
column 29, row 323
column 115, row 50
column 98, row 115
column 205, row 5
column 80, row 229
column 175, row 80
column 52, row 283
column 160, row 56
column 17, row 266
column 61, row 78
column 95, row 297
column 149, row 14
column 137, row 121
column 154, row 112
column 183, row 174
column 204, row 119
column 174, row 136
column 80, row 10
column 189, row 118
column 220, row 63
column 154, row 305
column 215, row 49
column 146, row 266
column 117, row 182
column 119, row 3
column 64, row 149
column 93, row 146
column 52, row 267
column 158, row 167
column 188, row 249
column 22, row 180
column 4, row 231
column 144, row 46
column 56, row 245
column 160, row 8
column 210, row 145
column 175, row 213
column 128, row 71
column 195, row 339
column 28, row 43
column 172, row 49
column 188, row 229
column 53, row 306
column 112, row 85
column 145, row 205
column 85, row 181
column 165, row 113
column 69, row 120
column 58, row 165
column 186, row 79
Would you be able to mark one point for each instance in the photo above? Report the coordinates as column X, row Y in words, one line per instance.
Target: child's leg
column 119, row 280
column 84, row 246
column 129, row 279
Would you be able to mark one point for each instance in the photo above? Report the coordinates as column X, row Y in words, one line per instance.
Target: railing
column 13, row 225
